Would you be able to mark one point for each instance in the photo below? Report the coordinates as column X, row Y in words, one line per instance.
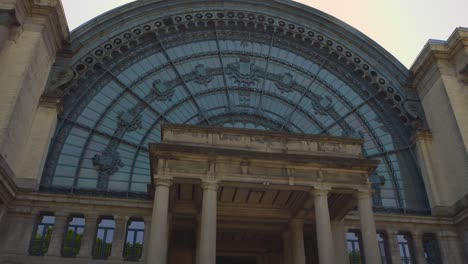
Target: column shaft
column 418, row 245
column 119, row 237
column 339, row 242
column 287, row 249
column 207, row 233
column 450, row 248
column 89, row 233
column 297, row 239
column 146, row 239
column 158, row 242
column 322, row 222
column 56, row 241
column 392, row 236
column 369, row 234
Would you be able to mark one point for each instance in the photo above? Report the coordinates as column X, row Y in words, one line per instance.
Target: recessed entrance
column 235, row 260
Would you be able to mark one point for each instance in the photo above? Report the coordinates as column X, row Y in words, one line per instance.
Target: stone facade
column 220, row 195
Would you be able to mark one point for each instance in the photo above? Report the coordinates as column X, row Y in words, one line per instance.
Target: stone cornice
column 173, row 151
column 255, row 132
column 435, row 52
column 47, row 14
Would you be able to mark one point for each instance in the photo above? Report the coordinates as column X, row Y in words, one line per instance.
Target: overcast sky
column 400, row 26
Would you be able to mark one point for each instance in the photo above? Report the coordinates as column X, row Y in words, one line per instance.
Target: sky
column 402, row 27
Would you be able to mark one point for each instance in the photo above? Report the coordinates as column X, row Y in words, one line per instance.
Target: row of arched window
column 134, row 239
column 406, row 248
column 73, row 235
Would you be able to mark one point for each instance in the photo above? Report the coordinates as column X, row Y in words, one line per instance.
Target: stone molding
column 47, row 14
column 436, row 53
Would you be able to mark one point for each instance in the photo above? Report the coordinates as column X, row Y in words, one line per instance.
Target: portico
column 259, row 196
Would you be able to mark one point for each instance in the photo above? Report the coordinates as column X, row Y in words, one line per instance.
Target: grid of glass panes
column 353, row 241
column 90, row 127
column 431, row 249
column 41, row 237
column 104, row 237
column 134, row 240
column 383, row 248
column 73, row 236
column 404, row 243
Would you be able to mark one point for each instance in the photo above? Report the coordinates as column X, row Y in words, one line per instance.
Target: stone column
column 89, row 235
column 418, row 245
column 322, row 222
column 392, row 236
column 339, row 241
column 297, row 241
column 368, row 231
column 450, row 247
column 287, row 249
column 146, row 238
column 207, row 233
column 56, row 241
column 119, row 237
column 158, row 241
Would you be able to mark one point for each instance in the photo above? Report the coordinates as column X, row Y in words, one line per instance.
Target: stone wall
column 33, row 34
column 440, row 77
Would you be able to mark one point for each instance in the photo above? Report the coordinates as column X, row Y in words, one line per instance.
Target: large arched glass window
column 226, row 68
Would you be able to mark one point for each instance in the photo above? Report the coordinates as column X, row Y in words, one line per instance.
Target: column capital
column 296, row 222
column 61, row 215
column 364, row 193
column 321, row 191
column 166, row 182
column 121, row 218
column 91, row 217
column 209, row 185
column 392, row 232
column 417, row 234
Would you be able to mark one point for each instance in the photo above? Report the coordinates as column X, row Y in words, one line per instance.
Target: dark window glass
column 404, row 243
column 41, row 237
column 383, row 248
column 104, row 236
column 72, row 240
column 134, row 240
column 353, row 241
column 431, row 249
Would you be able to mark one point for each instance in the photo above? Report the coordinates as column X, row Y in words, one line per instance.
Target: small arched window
column 72, row 240
column 405, row 243
column 353, row 241
column 43, row 233
column 134, row 240
column 104, row 237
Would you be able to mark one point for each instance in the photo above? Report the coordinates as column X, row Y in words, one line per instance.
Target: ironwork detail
column 107, row 164
column 244, row 72
column 201, row 75
column 286, row 83
column 130, row 121
column 323, row 105
column 352, row 133
column 244, row 98
column 162, row 91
